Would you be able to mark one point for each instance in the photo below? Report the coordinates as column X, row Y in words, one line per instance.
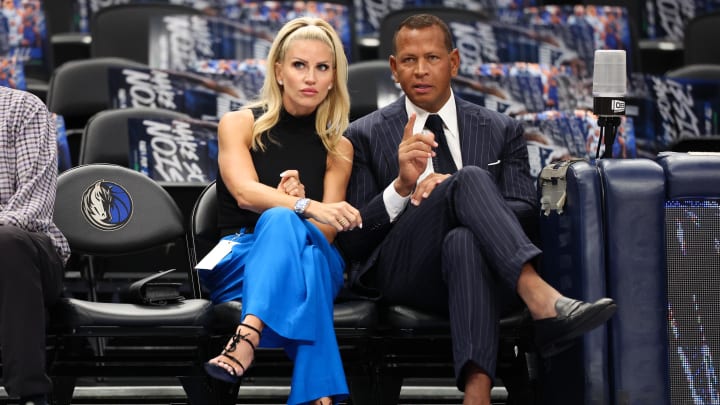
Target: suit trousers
column 31, row 279
column 464, row 237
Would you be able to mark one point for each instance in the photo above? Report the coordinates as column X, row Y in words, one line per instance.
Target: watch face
column 300, row 205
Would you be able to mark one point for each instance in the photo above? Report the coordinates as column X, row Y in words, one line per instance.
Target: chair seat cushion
column 403, row 317
column 355, row 314
column 346, row 314
column 74, row 313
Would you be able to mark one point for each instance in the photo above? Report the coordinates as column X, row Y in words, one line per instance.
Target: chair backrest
column 112, row 34
column 204, row 232
column 371, row 86
column 703, row 143
column 59, row 15
column 698, row 43
column 68, row 41
column 79, row 89
column 696, row 75
column 703, row 71
column 105, row 138
column 106, row 210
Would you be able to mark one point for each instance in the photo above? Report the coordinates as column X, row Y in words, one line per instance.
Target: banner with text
column 666, row 19
column 194, row 95
column 173, row 150
column 669, row 109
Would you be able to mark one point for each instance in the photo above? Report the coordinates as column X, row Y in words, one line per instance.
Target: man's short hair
column 419, row 21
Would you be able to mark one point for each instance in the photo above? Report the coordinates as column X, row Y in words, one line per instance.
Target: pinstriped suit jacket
column 486, row 137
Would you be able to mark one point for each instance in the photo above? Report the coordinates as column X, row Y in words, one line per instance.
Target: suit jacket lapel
column 470, row 124
column 391, row 133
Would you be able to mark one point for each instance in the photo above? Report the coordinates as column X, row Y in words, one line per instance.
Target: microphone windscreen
column 609, row 75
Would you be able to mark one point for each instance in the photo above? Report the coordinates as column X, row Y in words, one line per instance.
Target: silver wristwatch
column 300, row 206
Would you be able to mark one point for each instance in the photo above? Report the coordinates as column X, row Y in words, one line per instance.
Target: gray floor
column 418, row 391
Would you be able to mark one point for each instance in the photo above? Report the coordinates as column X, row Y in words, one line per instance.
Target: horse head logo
column 106, row 205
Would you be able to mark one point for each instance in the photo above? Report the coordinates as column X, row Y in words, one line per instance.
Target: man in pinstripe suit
column 443, row 241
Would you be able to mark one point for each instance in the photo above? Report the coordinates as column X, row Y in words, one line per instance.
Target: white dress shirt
column 394, row 202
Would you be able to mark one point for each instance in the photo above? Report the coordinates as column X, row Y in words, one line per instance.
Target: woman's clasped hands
column 340, row 215
column 290, row 184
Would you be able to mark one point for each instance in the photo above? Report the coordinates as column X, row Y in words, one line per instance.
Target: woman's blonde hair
column 332, row 114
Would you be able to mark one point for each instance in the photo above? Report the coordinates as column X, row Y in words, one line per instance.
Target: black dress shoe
column 574, row 318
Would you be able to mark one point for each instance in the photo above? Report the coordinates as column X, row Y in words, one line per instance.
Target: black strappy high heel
column 221, row 373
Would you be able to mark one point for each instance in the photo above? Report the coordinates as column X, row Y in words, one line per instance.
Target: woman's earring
column 330, row 87
column 280, row 82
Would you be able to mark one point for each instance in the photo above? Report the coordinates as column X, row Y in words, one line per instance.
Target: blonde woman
column 284, row 167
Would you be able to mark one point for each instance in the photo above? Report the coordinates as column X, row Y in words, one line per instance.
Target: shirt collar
column 448, row 113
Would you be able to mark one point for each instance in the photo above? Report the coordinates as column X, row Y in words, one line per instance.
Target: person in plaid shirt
column 34, row 250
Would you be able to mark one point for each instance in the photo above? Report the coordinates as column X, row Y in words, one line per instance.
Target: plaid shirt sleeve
column 28, row 163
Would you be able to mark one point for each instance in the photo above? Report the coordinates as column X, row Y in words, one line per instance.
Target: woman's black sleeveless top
column 292, row 144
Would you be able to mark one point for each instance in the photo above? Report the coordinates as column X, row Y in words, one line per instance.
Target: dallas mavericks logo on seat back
column 107, row 205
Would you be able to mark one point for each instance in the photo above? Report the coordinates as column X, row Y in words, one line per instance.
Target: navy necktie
column 443, row 161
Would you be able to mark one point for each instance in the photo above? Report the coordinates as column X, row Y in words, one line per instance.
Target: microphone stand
column 608, row 131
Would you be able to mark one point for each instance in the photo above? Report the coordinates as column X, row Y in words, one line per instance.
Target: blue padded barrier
column 634, row 197
column 689, row 175
column 574, row 262
column 692, row 226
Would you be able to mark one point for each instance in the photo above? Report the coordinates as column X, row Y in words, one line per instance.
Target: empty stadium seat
column 105, row 137
column 697, row 75
column 701, row 71
column 113, row 37
column 67, row 42
column 79, row 89
column 109, row 211
column 698, row 46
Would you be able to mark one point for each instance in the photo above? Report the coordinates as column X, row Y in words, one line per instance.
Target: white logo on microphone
column 617, row 106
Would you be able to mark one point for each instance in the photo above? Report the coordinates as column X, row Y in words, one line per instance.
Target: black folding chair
column 105, row 136
column 66, row 41
column 108, row 211
column 698, row 46
column 79, row 89
column 106, row 139
column 701, row 71
column 112, row 35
